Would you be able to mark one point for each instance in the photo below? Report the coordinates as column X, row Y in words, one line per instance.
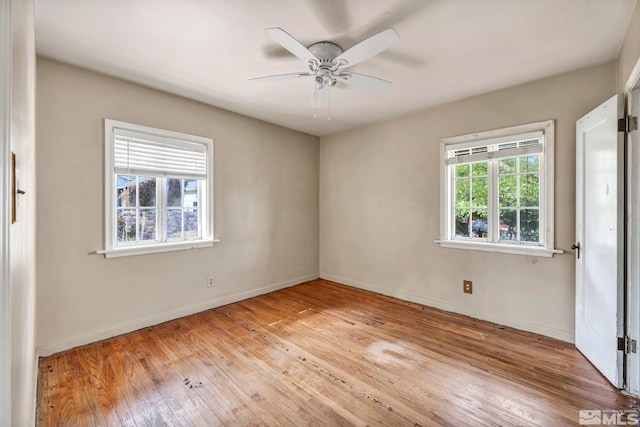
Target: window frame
column 546, row 202
column 112, row 249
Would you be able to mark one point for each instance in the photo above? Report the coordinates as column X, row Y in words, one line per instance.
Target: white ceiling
column 449, row 49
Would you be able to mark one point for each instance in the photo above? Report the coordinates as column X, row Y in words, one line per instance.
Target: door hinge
column 627, row 124
column 627, row 345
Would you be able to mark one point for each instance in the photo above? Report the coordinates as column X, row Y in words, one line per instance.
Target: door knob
column 576, row 247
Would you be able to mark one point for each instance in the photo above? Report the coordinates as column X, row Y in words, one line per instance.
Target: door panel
column 599, row 231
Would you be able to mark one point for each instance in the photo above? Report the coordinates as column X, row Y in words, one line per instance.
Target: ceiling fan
column 327, row 62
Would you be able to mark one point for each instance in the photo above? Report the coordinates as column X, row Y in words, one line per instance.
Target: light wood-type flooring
column 322, row 354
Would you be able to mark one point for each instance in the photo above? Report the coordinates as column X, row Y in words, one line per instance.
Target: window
column 158, row 190
column 497, row 190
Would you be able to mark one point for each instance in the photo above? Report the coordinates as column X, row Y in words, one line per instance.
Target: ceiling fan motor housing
column 325, row 52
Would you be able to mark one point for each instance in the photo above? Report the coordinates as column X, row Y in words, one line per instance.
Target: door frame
column 6, row 46
column 632, row 288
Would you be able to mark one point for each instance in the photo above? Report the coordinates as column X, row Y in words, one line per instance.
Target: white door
column 5, row 218
column 600, row 237
column 633, row 258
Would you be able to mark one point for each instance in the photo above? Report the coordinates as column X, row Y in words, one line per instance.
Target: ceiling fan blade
column 367, row 48
column 277, row 77
column 292, row 45
column 363, row 81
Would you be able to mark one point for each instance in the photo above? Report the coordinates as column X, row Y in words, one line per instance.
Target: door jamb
column 631, row 307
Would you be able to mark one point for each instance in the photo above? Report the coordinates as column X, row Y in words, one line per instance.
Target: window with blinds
column 158, row 190
column 497, row 190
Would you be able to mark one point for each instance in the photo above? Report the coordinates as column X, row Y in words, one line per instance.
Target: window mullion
column 138, row 234
column 542, row 202
column 492, row 201
column 452, row 201
column 470, row 220
column 162, row 211
column 518, row 205
column 182, row 207
column 183, row 220
column 113, row 201
column 200, row 206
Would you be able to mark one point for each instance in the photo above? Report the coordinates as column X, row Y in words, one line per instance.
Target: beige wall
column 266, row 211
column 380, row 207
column 22, row 253
column 630, row 50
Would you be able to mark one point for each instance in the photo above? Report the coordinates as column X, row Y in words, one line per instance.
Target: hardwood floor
column 322, row 354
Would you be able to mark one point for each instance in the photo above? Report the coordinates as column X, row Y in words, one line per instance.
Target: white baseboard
column 66, row 344
column 500, row 319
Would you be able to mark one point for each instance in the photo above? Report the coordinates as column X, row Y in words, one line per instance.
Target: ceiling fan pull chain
column 329, row 102
column 315, row 102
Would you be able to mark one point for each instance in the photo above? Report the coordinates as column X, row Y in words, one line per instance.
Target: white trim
column 169, row 135
column 505, row 248
column 498, row 133
column 154, row 249
column 546, row 203
column 633, row 286
column 493, row 137
column 445, row 195
column 68, row 343
column 6, row 46
column 632, row 321
column 110, row 247
column 513, row 322
column 548, row 180
column 634, row 78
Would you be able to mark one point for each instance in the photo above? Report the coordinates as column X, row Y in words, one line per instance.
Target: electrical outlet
column 211, row 282
column 467, row 286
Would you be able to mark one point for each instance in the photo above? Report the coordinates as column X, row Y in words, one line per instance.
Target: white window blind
column 495, row 148
column 137, row 153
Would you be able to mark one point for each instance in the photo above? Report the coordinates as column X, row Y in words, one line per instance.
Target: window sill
column 500, row 248
column 152, row 249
